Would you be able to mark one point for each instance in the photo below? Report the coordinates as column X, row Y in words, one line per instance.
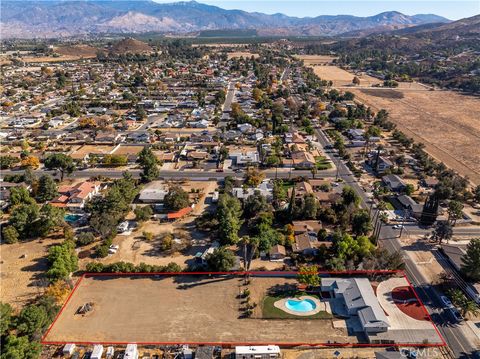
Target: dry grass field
column 447, row 122
column 243, row 54
column 183, row 309
column 22, row 270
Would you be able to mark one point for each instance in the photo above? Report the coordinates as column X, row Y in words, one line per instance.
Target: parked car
column 457, row 315
column 447, row 302
column 398, row 226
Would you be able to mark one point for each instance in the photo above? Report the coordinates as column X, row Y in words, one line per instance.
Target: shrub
column 167, row 242
column 101, row 251
column 85, row 238
column 143, row 213
column 10, row 234
column 148, row 235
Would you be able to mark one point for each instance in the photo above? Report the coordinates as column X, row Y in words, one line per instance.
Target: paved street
column 449, row 329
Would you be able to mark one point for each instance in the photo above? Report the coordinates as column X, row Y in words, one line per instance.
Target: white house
column 359, row 299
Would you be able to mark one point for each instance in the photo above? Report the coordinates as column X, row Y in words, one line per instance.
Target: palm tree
column 314, row 171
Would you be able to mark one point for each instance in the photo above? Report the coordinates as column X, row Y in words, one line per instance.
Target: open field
column 22, row 270
column 241, row 54
column 181, row 309
column 447, row 122
column 63, row 58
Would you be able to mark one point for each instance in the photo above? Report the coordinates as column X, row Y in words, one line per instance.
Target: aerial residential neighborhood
column 191, row 191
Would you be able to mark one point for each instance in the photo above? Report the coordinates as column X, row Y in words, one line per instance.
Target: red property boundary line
column 232, row 344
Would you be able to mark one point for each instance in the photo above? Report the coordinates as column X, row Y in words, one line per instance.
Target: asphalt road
column 444, row 320
column 227, row 105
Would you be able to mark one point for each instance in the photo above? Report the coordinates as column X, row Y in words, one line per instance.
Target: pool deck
column 319, row 306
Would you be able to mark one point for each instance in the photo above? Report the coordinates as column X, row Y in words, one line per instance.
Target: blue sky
column 450, row 9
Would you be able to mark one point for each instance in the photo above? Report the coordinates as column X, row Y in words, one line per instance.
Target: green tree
column 8, row 161
column 23, row 218
column 349, row 196
column 176, row 199
column 10, row 234
column 143, row 213
column 455, row 211
column 310, row 206
column 6, row 318
column 409, row 189
column 229, row 212
column 465, row 305
column 471, row 260
column 47, row 188
column 20, row 195
column 149, row 163
column 20, row 348
column 63, row 260
column 442, row 232
column 309, row 275
column 267, row 237
column 254, row 205
column 221, row 260
column 50, row 217
column 32, row 320
column 84, row 239
column 106, row 212
column 140, row 113
column 361, row 223
column 60, row 162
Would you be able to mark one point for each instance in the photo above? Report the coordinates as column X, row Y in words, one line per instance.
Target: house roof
column 302, row 242
column 302, row 156
column 358, row 294
column 278, row 249
column 157, row 194
column 407, row 201
column 393, row 181
column 180, row 213
column 329, row 197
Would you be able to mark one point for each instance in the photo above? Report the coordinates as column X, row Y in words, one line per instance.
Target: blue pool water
column 72, row 218
column 305, row 305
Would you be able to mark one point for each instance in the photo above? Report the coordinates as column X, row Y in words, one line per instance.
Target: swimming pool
column 302, row 306
column 72, row 218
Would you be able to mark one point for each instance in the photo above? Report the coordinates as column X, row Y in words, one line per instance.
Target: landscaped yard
column 269, row 311
column 323, row 163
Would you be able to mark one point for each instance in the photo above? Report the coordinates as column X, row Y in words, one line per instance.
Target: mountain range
column 55, row 18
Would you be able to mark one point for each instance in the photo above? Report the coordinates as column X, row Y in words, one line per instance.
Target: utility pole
column 405, row 214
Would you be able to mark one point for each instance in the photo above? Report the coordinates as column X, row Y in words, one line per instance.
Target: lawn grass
column 269, row 311
column 389, row 206
column 323, row 163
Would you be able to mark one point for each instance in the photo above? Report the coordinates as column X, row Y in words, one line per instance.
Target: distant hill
column 130, row 46
column 56, row 18
column 440, row 54
column 78, row 50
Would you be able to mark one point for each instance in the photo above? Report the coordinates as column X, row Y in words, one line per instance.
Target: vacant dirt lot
column 183, row 309
column 243, row 54
column 22, row 270
column 447, row 122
